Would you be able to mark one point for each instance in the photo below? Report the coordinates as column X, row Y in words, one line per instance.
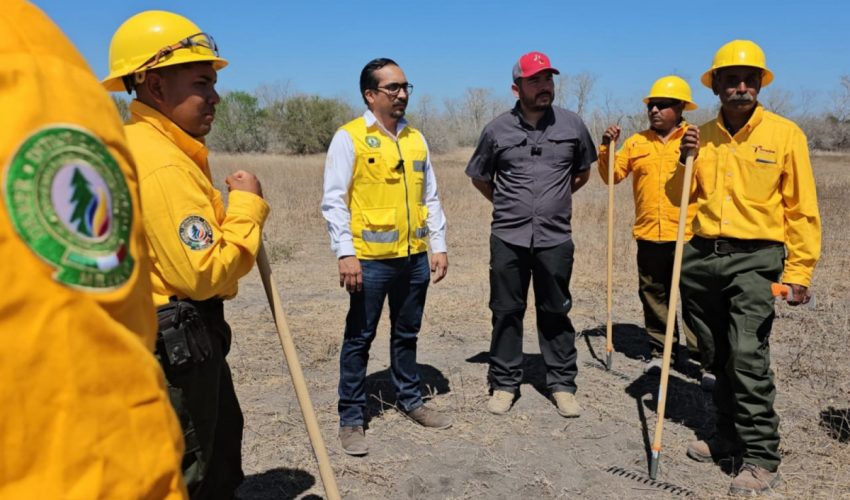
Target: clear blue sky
column 319, row 46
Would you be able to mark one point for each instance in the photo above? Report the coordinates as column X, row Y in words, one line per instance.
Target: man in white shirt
column 381, row 203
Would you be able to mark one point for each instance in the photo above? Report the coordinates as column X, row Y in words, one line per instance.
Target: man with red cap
column 528, row 162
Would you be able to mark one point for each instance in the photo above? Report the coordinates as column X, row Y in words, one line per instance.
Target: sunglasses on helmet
column 201, row 40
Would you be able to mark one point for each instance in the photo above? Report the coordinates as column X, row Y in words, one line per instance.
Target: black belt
column 211, row 304
column 725, row 246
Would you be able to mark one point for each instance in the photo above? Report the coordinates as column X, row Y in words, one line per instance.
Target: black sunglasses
column 661, row 105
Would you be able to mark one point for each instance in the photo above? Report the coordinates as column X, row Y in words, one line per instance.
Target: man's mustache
column 544, row 93
column 741, row 98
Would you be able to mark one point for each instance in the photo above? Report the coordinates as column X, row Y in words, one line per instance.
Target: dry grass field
column 531, row 452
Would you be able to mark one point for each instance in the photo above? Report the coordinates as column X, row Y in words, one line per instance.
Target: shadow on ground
column 629, row 339
column 533, row 370
column 837, row 423
column 687, row 404
column 632, row 341
column 277, row 484
column 380, row 393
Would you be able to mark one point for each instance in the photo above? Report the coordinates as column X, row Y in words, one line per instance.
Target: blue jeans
column 405, row 281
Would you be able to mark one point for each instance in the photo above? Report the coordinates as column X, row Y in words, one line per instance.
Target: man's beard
column 398, row 112
column 532, row 103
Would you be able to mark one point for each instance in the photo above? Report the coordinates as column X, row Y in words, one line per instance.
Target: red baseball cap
column 532, row 63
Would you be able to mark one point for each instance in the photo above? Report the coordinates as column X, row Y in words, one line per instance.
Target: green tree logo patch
column 70, row 204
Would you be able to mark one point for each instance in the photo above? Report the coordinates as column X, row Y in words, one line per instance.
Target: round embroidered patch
column 69, row 202
column 196, row 233
column 373, row 141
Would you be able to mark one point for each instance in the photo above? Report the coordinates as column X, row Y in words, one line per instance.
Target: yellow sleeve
column 200, row 255
column 622, row 165
column 802, row 219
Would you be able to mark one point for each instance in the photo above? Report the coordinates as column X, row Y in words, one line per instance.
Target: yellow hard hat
column 154, row 39
column 671, row 87
column 739, row 53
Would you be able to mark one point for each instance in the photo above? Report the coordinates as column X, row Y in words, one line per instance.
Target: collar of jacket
column 194, row 148
column 755, row 119
column 680, row 130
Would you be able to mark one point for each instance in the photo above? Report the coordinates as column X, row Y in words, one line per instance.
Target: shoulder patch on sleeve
column 69, row 203
column 196, row 233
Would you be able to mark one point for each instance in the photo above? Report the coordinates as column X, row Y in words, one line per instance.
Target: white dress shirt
column 339, row 168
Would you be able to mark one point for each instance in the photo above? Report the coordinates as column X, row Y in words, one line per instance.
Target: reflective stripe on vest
column 380, row 236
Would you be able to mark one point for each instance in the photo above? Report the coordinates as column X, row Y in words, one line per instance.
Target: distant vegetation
column 274, row 120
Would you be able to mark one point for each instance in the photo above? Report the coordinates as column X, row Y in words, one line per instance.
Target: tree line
column 272, row 119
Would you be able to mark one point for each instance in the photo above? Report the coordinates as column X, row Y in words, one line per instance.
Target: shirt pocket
column 641, row 158
column 705, row 171
column 421, row 230
column 512, row 154
column 380, row 232
column 562, row 148
column 417, row 166
column 760, row 174
column 372, row 168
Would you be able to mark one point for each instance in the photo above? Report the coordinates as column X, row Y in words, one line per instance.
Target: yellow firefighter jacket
column 85, row 413
column 199, row 250
column 758, row 184
column 656, row 182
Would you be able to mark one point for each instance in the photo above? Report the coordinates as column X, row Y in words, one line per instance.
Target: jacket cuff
column 797, row 277
column 248, row 205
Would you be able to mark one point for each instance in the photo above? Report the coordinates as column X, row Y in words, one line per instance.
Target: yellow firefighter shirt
column 85, row 412
column 199, row 250
column 656, row 182
column 758, row 184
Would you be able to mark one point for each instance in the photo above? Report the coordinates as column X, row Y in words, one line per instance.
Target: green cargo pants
column 731, row 309
column 655, row 275
column 205, row 402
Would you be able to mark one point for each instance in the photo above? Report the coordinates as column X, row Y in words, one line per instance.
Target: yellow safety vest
column 386, row 200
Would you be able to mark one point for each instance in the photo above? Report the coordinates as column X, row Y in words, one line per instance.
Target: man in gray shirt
column 528, row 162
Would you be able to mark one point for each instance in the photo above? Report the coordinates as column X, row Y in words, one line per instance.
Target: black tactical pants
column 204, row 400
column 511, row 269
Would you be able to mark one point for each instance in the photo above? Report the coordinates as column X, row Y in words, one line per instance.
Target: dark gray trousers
column 511, row 269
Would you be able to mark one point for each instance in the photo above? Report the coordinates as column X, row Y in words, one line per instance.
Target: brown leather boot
column 753, row 480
